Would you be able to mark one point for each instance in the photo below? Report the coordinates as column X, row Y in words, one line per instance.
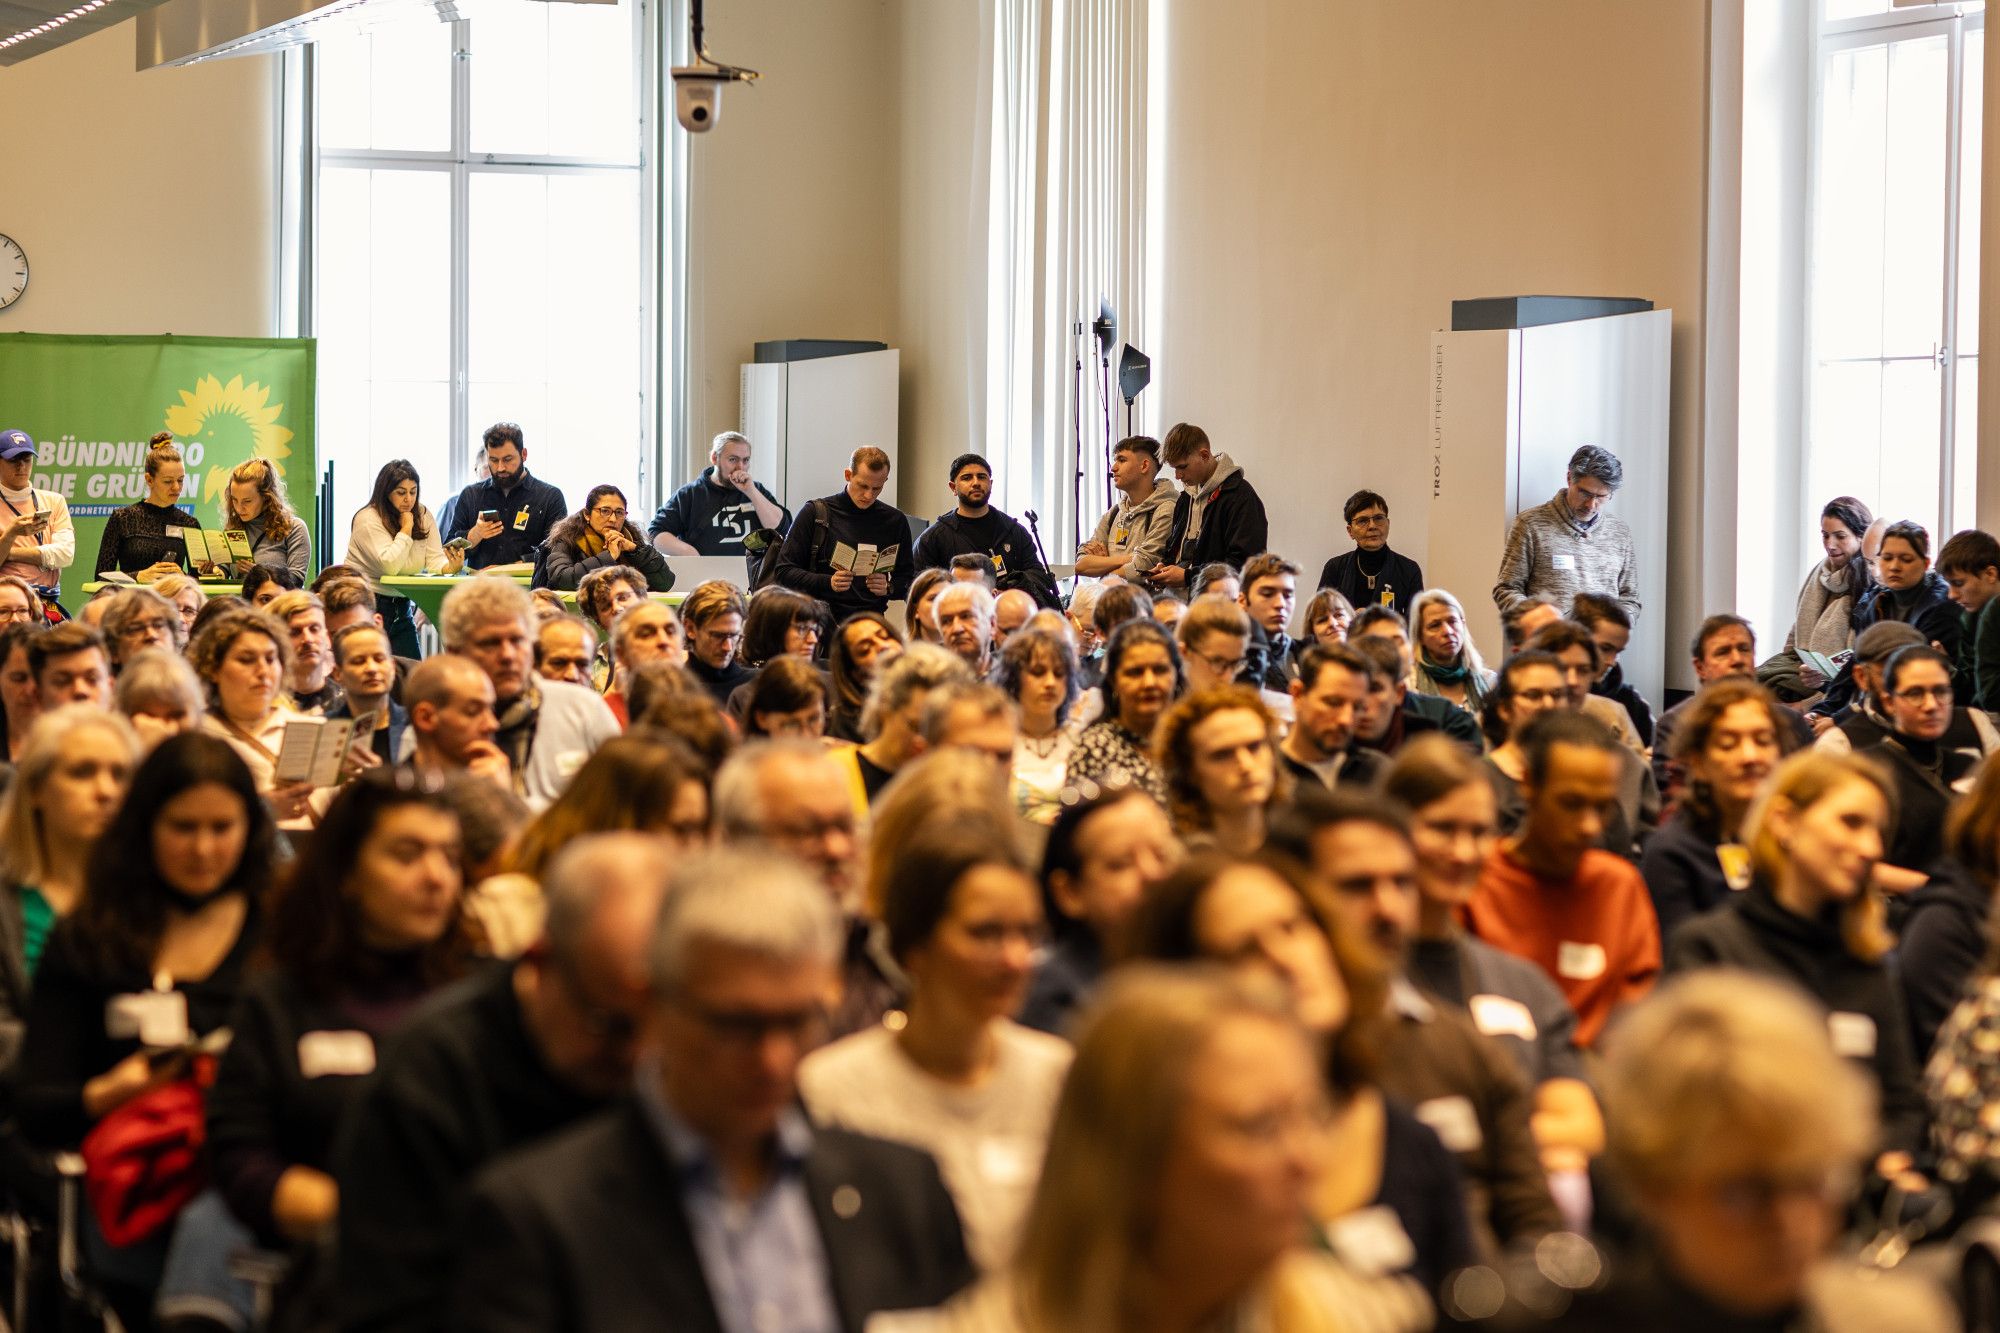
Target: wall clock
column 13, row 271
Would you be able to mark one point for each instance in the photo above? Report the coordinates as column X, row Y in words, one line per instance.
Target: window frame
column 661, row 194
column 1960, row 23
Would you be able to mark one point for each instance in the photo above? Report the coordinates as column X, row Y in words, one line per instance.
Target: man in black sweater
column 818, row 556
column 1218, row 516
column 498, row 1061
column 975, row 527
column 712, row 514
column 506, row 516
column 708, row 1199
column 713, row 615
column 1371, row 574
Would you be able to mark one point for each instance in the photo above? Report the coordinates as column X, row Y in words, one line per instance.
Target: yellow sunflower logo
column 233, row 420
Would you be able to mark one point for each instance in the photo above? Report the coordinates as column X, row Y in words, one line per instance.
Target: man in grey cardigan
column 1573, row 543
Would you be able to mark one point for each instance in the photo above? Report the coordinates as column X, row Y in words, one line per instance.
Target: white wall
column 792, row 226
column 146, row 202
column 1376, row 159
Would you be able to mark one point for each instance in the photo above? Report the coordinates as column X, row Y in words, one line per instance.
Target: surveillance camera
column 698, row 97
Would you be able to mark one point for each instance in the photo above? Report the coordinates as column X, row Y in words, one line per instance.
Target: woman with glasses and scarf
column 1932, row 751
column 595, row 537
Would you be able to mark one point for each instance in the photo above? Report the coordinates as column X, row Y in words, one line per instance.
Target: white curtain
column 1065, row 161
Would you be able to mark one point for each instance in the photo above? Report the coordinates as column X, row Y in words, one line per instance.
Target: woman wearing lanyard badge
column 1731, row 741
column 36, row 540
column 148, row 966
column 146, row 539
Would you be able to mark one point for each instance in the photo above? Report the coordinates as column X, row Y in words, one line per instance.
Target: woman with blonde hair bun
column 1186, row 1143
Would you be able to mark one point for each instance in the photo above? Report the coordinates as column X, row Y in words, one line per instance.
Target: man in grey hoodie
column 1573, row 543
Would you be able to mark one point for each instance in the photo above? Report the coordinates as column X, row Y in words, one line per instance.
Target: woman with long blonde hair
column 66, row 787
column 255, row 505
column 1447, row 662
column 1813, row 916
column 1184, row 1152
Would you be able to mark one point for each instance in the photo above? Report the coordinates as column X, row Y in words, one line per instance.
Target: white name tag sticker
column 1853, row 1035
column 1454, row 1121
column 1498, row 1016
column 157, row 1018
column 173, row 532
column 1563, row 560
column 1008, row 1161
column 1580, row 962
column 349, row 1054
column 1372, row 1241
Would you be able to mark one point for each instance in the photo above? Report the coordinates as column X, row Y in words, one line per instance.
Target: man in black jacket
column 1371, row 574
column 712, row 514
column 500, row 1060
column 819, row 554
column 707, row 1199
column 506, row 516
column 1218, row 516
column 975, row 527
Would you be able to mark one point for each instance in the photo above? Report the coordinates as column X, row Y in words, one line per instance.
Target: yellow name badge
column 1388, row 597
column 1734, row 858
column 521, row 520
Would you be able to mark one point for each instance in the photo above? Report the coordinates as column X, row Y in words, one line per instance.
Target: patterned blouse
column 1962, row 1083
column 1109, row 755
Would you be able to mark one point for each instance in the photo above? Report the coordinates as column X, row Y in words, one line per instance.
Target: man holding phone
column 37, row 540
column 505, row 517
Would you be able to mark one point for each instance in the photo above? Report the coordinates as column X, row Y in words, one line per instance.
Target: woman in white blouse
column 393, row 535
column 957, row 1077
column 1038, row 668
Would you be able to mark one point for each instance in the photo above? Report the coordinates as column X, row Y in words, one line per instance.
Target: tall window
column 482, row 247
column 1068, row 145
column 1894, row 287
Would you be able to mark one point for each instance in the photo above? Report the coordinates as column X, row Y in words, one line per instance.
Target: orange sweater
column 1595, row 934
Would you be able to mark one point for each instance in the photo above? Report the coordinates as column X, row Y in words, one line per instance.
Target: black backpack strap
column 822, row 531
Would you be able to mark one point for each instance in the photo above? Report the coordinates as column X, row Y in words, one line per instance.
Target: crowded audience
column 907, row 934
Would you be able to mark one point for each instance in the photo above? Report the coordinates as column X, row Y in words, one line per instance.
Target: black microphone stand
column 1077, row 333
column 1035, row 535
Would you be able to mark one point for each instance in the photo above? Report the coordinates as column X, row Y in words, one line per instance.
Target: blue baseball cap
column 14, row 443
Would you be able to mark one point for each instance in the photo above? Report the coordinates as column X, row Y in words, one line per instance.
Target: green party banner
column 92, row 403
